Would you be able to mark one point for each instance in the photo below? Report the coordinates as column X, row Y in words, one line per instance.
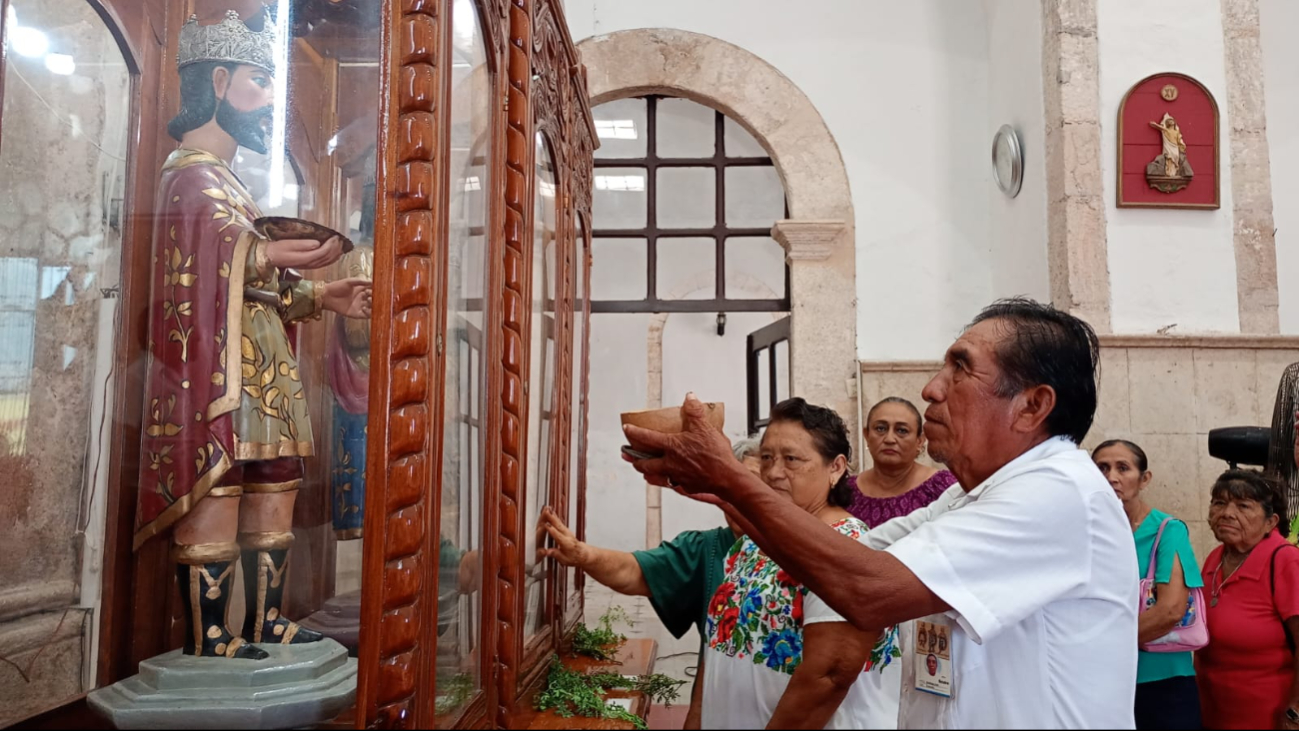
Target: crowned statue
column 226, row 422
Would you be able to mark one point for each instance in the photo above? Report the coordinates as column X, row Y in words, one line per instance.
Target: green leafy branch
column 602, row 642
column 571, row 693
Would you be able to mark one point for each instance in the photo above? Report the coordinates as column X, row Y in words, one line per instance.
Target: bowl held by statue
column 280, row 228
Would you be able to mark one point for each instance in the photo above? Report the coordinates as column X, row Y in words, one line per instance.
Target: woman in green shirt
column 678, row 576
column 1166, row 693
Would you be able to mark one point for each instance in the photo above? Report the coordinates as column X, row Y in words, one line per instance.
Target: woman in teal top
column 1166, row 695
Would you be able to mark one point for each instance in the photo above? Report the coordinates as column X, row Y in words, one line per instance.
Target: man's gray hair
column 747, row 448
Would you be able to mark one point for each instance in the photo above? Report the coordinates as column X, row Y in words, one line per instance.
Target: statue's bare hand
column 697, row 460
column 303, row 253
column 349, row 297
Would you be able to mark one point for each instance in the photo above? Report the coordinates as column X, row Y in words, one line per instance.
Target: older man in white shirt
column 1029, row 570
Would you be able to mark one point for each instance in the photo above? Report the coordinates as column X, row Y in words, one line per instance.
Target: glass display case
column 292, row 351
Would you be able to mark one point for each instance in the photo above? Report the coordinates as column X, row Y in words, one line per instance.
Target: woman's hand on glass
column 568, row 551
column 349, row 297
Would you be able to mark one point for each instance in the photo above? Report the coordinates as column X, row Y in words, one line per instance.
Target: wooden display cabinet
column 465, row 126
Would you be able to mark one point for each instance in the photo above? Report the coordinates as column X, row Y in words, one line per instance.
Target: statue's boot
column 206, row 576
column 265, row 559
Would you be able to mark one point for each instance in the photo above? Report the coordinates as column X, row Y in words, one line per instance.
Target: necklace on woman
column 1220, row 578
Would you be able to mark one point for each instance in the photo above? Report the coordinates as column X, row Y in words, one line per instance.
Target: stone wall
column 1165, row 394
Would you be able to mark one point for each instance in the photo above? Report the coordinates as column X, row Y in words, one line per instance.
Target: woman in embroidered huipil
column 777, row 656
column 896, row 484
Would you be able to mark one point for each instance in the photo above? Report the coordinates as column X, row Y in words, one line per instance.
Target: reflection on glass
column 577, row 439
column 541, row 391
column 62, row 176
column 460, row 564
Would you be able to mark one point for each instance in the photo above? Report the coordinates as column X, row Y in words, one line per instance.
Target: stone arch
column 747, row 88
column 819, row 238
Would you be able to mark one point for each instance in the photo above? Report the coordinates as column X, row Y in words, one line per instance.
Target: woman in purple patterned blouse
column 897, row 484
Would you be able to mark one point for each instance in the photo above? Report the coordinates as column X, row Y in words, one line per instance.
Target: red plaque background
column 1197, row 116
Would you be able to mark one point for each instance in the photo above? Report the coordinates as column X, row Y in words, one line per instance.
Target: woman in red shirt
column 1247, row 672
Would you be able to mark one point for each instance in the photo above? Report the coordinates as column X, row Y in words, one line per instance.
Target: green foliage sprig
column 571, row 693
column 602, row 642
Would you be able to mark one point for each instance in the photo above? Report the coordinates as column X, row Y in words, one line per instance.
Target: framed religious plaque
column 1168, row 145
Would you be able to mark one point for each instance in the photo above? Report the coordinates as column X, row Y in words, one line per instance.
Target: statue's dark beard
column 246, row 127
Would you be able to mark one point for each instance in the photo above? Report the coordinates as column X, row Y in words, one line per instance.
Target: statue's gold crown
column 230, row 41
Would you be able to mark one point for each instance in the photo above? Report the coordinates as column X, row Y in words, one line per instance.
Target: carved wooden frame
column 540, row 85
column 546, row 94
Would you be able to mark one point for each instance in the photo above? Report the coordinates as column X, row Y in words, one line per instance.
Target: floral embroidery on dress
column 757, row 612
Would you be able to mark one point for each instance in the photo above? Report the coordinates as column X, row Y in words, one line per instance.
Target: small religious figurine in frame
column 1168, row 145
column 1170, row 171
column 226, row 423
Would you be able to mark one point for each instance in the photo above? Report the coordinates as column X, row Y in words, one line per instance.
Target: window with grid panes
column 684, row 202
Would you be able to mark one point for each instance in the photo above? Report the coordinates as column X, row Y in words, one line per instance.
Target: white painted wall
column 903, row 87
column 1279, row 22
column 1167, row 267
column 1017, row 226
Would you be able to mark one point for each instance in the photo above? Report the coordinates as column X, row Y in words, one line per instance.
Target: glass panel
column 619, row 198
column 739, row 143
column 256, row 385
column 577, row 439
column 755, row 268
column 619, row 269
column 686, row 198
column 687, row 268
column 781, row 348
column 685, row 129
column 755, row 197
column 542, row 408
column 764, row 382
column 63, row 168
column 460, row 563
column 620, row 125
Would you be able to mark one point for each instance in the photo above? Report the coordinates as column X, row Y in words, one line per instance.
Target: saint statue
column 1170, row 171
column 226, row 423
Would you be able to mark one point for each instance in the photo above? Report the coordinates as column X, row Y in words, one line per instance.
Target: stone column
column 823, row 299
column 1253, row 231
column 1076, row 250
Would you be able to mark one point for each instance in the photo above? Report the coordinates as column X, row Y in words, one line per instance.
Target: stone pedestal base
column 298, row 685
column 339, row 619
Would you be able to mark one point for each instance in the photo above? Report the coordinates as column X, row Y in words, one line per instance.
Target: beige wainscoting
column 1163, row 392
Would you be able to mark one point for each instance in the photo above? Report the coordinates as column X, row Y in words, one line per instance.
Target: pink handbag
column 1192, row 632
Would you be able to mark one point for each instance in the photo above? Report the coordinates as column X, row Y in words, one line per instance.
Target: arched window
column 682, row 192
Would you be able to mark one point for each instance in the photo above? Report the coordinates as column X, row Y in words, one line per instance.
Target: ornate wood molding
column 396, row 632
column 518, row 145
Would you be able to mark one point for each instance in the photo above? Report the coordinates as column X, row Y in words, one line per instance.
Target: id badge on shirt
column 933, row 656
